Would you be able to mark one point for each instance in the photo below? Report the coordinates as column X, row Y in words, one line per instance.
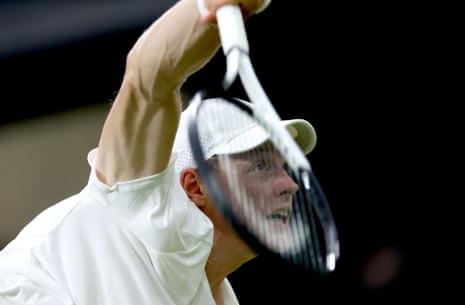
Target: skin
column 139, row 131
column 262, row 175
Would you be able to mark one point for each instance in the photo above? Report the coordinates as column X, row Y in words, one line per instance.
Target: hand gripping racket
column 254, row 166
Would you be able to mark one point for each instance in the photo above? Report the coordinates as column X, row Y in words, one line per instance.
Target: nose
column 284, row 183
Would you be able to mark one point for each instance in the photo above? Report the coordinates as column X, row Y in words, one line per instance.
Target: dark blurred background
column 379, row 82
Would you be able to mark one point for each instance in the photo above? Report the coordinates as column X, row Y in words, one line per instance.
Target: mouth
column 282, row 215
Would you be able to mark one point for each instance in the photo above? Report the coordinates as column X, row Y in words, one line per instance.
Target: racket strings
column 300, row 242
column 253, row 202
column 305, row 252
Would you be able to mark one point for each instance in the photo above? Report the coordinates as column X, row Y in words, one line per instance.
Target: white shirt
column 138, row 242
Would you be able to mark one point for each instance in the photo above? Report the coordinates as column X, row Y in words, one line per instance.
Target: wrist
column 204, row 11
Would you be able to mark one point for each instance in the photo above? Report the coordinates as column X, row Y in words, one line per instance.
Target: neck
column 226, row 256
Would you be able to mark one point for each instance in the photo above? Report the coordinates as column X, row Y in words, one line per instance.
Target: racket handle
column 232, row 29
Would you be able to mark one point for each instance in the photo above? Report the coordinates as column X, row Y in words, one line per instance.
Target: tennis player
column 142, row 231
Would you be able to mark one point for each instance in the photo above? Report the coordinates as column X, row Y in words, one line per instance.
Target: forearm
column 172, row 48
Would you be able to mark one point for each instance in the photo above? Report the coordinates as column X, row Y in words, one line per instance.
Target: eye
column 261, row 166
column 265, row 166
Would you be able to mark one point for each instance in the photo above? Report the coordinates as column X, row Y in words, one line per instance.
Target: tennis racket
column 254, row 166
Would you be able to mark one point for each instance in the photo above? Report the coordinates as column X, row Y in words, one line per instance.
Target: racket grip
column 232, row 29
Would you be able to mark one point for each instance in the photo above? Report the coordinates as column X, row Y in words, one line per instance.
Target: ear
column 190, row 182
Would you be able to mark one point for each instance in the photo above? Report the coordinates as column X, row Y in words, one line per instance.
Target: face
column 261, row 191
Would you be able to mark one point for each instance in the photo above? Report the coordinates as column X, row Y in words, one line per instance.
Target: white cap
column 233, row 133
